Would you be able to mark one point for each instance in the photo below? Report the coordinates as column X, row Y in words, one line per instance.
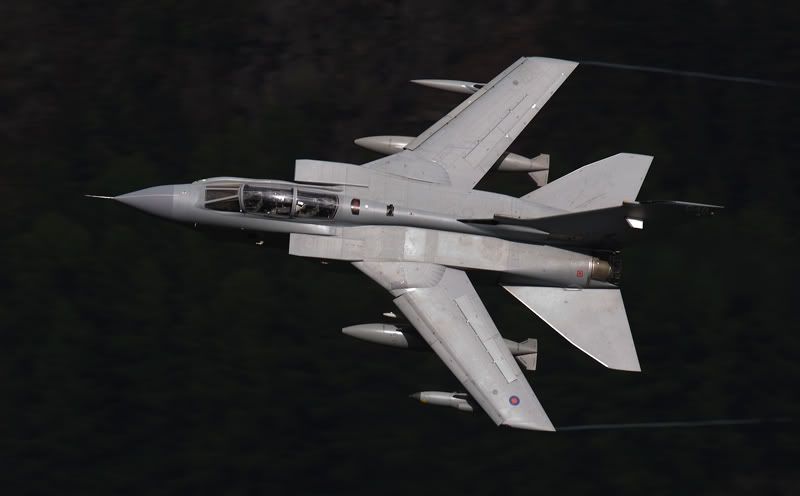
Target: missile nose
column 157, row 200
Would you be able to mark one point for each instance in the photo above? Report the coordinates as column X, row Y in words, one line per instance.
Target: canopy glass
column 278, row 200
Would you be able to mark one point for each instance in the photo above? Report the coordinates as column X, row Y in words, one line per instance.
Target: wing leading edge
column 464, row 144
column 444, row 307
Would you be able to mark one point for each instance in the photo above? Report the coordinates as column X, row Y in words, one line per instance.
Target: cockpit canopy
column 271, row 200
column 224, row 197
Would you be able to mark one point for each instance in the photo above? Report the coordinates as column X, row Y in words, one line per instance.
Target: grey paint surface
column 413, row 223
column 509, row 162
column 462, row 146
column 593, row 320
column 445, row 309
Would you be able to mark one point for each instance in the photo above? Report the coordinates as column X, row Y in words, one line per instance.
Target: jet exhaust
column 601, row 270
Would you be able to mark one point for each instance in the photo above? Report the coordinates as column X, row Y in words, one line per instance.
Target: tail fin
column 540, row 176
column 602, row 184
column 593, row 320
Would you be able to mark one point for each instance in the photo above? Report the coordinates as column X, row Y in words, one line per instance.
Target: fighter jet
column 413, row 222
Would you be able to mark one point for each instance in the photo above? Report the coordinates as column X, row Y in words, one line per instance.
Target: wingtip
column 542, row 425
column 623, row 367
column 101, row 197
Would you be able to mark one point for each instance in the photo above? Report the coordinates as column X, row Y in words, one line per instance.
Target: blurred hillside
column 138, row 357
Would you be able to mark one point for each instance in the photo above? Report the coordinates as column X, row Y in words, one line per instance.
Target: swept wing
column 443, row 306
column 464, row 144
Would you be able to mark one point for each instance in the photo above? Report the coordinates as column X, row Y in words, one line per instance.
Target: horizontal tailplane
column 593, row 320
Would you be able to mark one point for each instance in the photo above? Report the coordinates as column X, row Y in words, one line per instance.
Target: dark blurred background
column 140, row 357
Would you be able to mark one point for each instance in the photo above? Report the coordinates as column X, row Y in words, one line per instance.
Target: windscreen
column 223, row 197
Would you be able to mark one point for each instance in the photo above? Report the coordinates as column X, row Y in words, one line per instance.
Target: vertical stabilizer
column 540, row 176
column 606, row 183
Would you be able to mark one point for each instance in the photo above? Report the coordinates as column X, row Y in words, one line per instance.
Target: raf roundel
column 514, row 400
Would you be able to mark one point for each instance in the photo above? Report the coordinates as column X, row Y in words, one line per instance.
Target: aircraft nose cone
column 157, row 200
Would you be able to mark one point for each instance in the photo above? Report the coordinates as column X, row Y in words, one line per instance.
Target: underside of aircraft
column 413, row 222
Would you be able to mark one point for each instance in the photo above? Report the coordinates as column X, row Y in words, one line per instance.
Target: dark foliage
column 137, row 357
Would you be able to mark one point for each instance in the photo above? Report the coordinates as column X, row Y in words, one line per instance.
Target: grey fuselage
column 422, row 205
column 372, row 215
